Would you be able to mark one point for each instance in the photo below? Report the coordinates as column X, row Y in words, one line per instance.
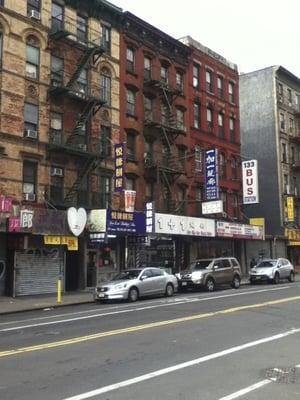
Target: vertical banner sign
column 290, row 209
column 250, row 182
column 119, row 150
column 149, row 217
column 129, row 200
column 211, row 175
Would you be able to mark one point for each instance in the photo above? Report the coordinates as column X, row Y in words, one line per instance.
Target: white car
column 272, row 270
column 134, row 283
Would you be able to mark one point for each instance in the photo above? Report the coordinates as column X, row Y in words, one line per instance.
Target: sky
column 253, row 34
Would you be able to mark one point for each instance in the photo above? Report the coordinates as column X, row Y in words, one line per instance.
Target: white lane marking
column 174, row 303
column 246, row 390
column 168, row 370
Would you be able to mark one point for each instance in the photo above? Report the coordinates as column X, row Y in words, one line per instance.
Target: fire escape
column 86, row 151
column 160, row 124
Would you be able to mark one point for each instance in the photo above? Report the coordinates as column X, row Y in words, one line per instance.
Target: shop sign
column 119, row 155
column 14, row 224
column 182, row 225
column 212, row 207
column 137, row 240
column 149, row 217
column 76, row 220
column 70, row 241
column 250, row 182
column 49, row 222
column 96, row 221
column 6, row 204
column 26, row 217
column 293, row 235
column 124, row 222
column 239, row 231
column 98, row 237
column 130, row 196
column 290, row 209
column 211, row 175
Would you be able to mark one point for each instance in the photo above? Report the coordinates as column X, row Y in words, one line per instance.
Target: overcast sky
column 251, row 33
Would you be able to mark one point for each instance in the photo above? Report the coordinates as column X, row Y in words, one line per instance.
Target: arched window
column 32, row 58
column 106, row 85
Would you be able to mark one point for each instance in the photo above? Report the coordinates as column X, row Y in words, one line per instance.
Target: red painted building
column 213, row 112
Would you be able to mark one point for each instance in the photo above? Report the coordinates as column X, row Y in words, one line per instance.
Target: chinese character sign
column 5, row 204
column 119, row 156
column 211, row 175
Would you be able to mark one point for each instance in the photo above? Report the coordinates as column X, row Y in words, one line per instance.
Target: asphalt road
column 230, row 344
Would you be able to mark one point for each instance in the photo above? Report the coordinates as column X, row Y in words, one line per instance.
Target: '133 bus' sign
column 250, row 182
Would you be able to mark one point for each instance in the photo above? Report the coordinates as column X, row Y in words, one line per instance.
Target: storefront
column 293, row 247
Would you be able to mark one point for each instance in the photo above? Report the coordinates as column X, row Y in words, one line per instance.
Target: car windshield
column 267, row 264
column 125, row 275
column 200, row 264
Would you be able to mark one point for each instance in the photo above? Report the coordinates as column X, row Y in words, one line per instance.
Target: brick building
column 59, row 114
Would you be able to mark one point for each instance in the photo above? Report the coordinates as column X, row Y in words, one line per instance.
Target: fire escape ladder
column 166, row 140
column 89, row 166
column 92, row 53
column 83, row 118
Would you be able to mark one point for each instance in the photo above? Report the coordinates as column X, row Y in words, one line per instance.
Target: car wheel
column 133, row 294
column 276, row 278
column 210, row 285
column 292, row 277
column 169, row 290
column 236, row 282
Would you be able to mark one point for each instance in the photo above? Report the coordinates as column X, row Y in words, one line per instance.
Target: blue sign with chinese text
column 122, row 222
column 211, row 175
column 119, row 155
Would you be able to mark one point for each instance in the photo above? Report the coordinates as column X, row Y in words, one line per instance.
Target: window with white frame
column 105, row 78
column 82, row 29
column 57, row 17
column 231, row 92
column 232, row 129
column 105, row 191
column 220, row 83
column 147, row 68
column 56, row 128
column 286, row 187
column 209, row 118
column 106, row 39
column 234, row 169
column 223, row 198
column 179, row 80
column 164, row 72
column 292, row 154
column 197, row 115
column 29, row 178
column 130, row 183
column 130, row 146
column 31, row 117
column 284, row 153
column 57, row 71
column 130, row 102
column 180, row 118
column 282, row 121
column 130, row 59
column 209, row 84
column 196, row 75
column 289, row 96
column 221, row 125
column 34, row 8
column 148, row 108
column 222, row 165
column 291, row 127
column 32, row 61
column 198, row 160
column 235, row 204
column 82, row 83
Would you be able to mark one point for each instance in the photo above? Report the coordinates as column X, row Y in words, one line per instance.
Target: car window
column 267, row 264
column 234, row 262
column 157, row 272
column 199, row 264
column 219, row 263
column 284, row 262
column 130, row 274
column 147, row 273
column 226, row 263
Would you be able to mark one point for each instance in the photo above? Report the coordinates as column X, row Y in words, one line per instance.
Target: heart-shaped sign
column 76, row 220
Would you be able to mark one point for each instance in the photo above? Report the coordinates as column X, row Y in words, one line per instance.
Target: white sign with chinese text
column 212, row 207
column 182, row 225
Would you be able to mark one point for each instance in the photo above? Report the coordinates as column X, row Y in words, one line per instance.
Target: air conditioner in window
column 82, row 147
column 56, row 171
column 29, row 133
column 31, row 74
column 35, row 14
column 29, row 196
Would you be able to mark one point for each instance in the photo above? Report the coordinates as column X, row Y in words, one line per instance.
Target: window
column 164, row 74
column 196, row 115
column 209, row 117
column 297, row 101
column 57, row 185
column 293, row 155
column 130, row 59
column 234, row 170
column 182, row 156
column 130, row 184
column 82, row 29
column 222, row 166
column 34, row 8
column 106, row 39
column 31, row 117
column 284, row 153
column 148, row 115
column 209, row 86
column 295, row 187
column 231, row 92
column 180, row 119
column 198, row 160
column 286, row 188
column 130, row 102
column 105, row 86
column 232, row 129
column 130, row 146
column 223, row 197
column 179, row 81
column 147, row 68
column 105, row 191
column 196, row 73
column 57, row 17
column 57, row 71
column 280, row 89
column 291, row 127
column 29, row 178
column 32, row 61
column 56, row 128
column 82, row 83
column 149, row 191
column 1, row 47
column 290, row 100
column 198, row 198
column 220, row 82
column 105, row 141
column 282, row 121
column 221, row 125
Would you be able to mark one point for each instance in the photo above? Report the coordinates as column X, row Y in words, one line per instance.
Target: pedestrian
column 252, row 262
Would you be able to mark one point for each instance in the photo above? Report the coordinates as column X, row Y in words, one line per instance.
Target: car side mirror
column 142, row 278
column 216, row 267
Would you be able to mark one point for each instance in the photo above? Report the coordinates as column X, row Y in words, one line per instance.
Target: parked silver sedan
column 272, row 270
column 134, row 283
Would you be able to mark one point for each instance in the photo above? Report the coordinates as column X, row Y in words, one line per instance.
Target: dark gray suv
column 209, row 273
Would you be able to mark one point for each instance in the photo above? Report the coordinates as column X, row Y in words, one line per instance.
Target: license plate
column 184, row 283
column 257, row 278
column 100, row 295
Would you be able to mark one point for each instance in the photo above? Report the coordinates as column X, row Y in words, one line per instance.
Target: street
column 229, row 344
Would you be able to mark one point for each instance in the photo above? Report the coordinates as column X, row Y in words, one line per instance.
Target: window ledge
column 131, row 73
column 132, row 116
